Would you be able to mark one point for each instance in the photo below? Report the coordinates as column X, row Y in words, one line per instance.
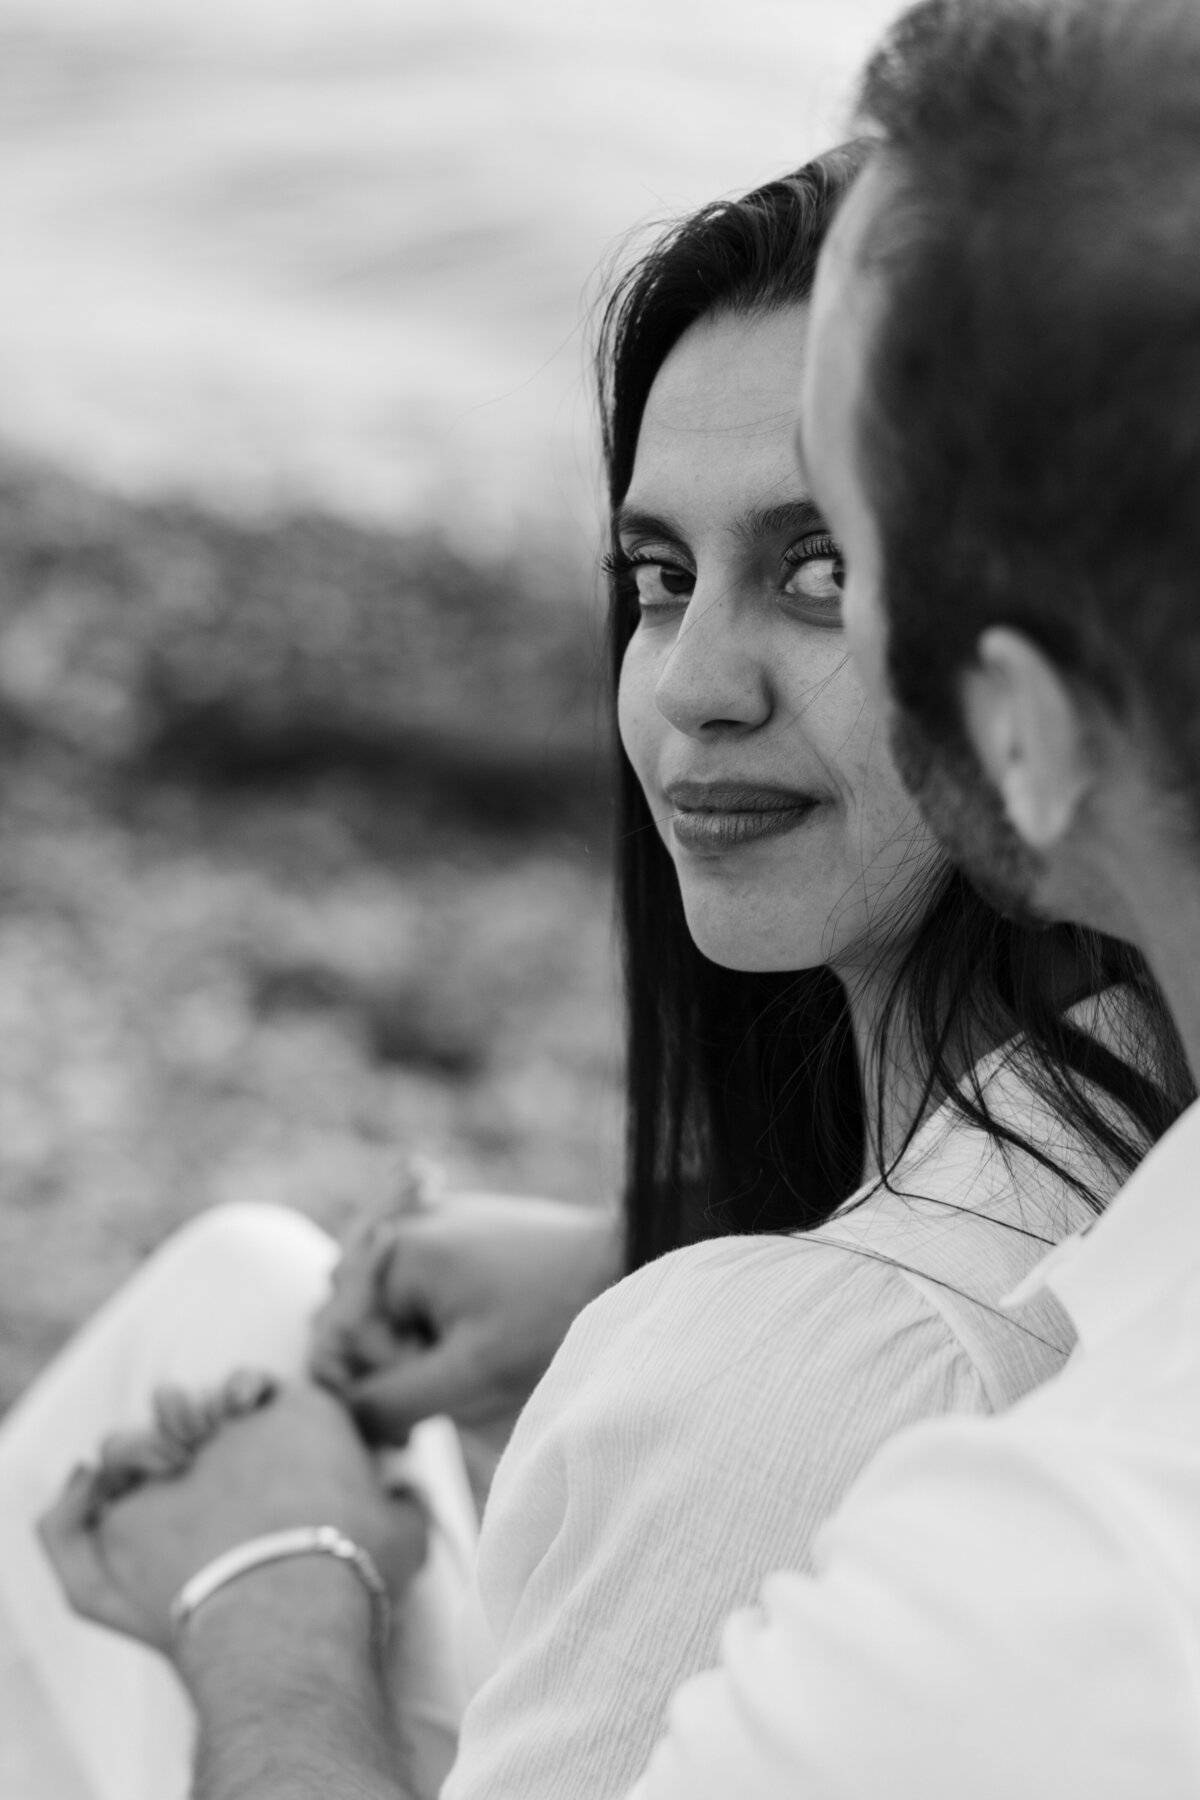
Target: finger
column 342, row 1356
column 375, row 1345
column 128, row 1458
column 365, row 1244
column 411, row 1285
column 329, row 1360
column 69, row 1539
column 84, row 1494
column 184, row 1419
column 349, row 1334
column 247, row 1391
column 351, row 1352
column 359, row 1243
column 443, row 1378
column 355, row 1283
column 408, row 1537
column 422, row 1184
column 380, row 1299
column 110, row 1481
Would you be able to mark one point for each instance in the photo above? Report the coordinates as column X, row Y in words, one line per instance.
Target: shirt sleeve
column 692, row 1437
column 980, row 1623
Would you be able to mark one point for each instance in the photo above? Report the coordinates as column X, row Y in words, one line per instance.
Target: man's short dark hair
column 1030, row 430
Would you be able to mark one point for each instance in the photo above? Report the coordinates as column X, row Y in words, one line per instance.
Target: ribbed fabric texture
column 705, row 1416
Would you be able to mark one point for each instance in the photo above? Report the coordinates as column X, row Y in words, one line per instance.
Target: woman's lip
column 710, row 829
column 734, row 797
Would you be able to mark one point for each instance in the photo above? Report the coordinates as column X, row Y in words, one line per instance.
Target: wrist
column 255, row 1553
column 282, row 1624
column 290, row 1697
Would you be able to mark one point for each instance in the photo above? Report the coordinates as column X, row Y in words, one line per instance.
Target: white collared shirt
column 1007, row 1608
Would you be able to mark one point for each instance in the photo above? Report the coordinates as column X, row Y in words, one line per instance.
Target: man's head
column 1002, row 421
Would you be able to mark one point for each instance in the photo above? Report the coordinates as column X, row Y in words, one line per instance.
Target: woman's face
column 761, row 758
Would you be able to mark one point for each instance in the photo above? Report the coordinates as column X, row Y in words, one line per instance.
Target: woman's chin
column 749, row 946
column 755, row 962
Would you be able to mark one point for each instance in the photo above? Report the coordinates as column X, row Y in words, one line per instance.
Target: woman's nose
column 714, row 677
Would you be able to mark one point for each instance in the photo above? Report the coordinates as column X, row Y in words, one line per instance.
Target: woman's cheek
column 883, row 802
column 885, row 832
column 638, row 719
column 900, row 854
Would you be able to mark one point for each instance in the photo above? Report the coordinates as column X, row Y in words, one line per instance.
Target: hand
column 296, row 1461
column 182, row 1423
column 458, row 1309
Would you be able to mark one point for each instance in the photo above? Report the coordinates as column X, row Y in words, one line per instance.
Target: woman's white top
column 705, row 1416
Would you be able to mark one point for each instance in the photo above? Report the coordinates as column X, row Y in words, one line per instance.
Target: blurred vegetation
column 303, row 864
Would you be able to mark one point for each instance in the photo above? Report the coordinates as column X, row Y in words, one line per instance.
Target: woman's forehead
column 719, row 422
column 728, row 369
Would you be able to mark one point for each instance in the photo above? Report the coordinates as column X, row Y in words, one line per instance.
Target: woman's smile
column 722, row 816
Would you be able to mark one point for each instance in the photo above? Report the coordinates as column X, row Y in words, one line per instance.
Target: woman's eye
column 816, row 576
column 660, row 584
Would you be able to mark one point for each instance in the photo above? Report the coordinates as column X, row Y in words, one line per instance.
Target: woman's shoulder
column 932, row 1254
column 793, row 1308
column 740, row 1272
column 728, row 1342
column 967, row 1212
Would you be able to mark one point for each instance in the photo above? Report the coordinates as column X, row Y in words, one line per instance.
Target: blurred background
column 303, row 824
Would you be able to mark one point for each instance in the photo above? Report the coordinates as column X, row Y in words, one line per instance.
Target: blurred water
column 287, row 249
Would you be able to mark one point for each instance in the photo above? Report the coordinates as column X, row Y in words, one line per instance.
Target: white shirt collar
column 1145, row 1243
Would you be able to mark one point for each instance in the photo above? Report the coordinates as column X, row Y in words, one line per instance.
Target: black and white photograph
column 599, row 900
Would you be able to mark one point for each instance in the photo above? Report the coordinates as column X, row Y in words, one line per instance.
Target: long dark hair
column 745, row 1102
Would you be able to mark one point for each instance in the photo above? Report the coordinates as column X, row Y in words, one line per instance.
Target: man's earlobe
column 1029, row 735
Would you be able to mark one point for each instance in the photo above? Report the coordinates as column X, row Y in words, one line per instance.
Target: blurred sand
column 262, row 950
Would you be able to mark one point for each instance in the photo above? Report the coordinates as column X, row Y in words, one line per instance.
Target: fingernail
column 247, row 1390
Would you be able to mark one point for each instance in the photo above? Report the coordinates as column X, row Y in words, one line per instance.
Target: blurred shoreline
column 343, row 253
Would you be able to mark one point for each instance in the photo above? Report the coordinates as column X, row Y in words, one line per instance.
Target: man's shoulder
column 1082, row 1500
column 1027, row 1574
column 988, row 1617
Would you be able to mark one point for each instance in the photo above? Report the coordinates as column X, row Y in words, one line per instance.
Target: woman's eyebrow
column 765, row 521
column 768, row 521
column 644, row 524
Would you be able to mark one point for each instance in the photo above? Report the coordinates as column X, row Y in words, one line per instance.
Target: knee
column 247, row 1236
column 237, row 1284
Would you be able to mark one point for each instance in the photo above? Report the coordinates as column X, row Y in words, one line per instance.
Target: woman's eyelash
column 817, row 543
column 623, row 562
column 618, row 561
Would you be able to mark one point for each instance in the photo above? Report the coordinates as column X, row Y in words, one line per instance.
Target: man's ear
column 1029, row 734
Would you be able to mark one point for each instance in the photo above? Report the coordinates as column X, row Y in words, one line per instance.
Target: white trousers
column 88, row 1715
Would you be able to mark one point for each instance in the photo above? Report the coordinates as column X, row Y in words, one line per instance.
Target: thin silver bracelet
column 276, row 1546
